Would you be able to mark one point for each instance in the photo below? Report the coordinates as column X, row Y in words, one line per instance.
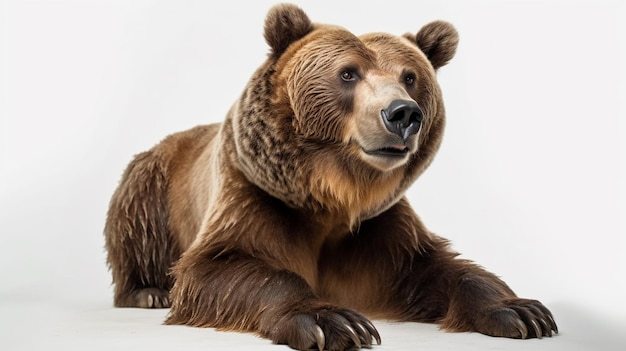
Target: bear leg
column 427, row 282
column 475, row 300
column 140, row 247
column 233, row 291
column 470, row 299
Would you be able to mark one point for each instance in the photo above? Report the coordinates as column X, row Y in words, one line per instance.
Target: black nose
column 402, row 117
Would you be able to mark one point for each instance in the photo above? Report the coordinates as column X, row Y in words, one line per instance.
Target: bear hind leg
column 139, row 244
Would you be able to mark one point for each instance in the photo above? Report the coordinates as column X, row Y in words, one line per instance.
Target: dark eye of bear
column 409, row 79
column 348, row 76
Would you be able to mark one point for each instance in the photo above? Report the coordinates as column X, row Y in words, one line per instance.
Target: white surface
column 97, row 326
column 529, row 181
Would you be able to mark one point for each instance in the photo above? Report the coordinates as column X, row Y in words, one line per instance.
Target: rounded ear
column 438, row 41
column 284, row 24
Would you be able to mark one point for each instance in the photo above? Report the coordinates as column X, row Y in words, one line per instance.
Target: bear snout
column 402, row 117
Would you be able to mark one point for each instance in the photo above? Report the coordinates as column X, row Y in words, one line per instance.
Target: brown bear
column 289, row 219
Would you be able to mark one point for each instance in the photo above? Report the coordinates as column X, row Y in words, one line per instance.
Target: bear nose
column 402, row 117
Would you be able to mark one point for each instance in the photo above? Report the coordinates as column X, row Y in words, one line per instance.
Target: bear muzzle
column 389, row 147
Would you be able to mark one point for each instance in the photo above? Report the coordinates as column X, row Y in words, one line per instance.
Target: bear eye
column 347, row 76
column 409, row 79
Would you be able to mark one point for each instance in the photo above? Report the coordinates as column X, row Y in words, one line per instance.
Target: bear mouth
column 392, row 151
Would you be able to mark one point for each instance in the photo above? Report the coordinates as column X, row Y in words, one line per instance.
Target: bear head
column 338, row 122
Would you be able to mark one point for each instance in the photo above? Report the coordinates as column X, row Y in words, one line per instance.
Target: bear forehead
column 393, row 48
column 338, row 46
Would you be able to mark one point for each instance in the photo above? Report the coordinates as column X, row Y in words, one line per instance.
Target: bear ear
column 438, row 41
column 284, row 24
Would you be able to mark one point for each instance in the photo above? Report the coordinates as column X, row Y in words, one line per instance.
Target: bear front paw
column 325, row 329
column 519, row 319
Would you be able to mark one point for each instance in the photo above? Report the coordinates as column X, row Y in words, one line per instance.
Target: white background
column 529, row 181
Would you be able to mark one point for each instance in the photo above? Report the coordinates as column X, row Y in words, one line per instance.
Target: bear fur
column 289, row 219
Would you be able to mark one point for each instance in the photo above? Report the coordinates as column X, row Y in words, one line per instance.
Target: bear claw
column 551, row 327
column 537, row 329
column 320, row 339
column 152, row 298
column 353, row 336
column 522, row 329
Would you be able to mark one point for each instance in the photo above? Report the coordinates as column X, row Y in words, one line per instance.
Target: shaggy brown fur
column 289, row 217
